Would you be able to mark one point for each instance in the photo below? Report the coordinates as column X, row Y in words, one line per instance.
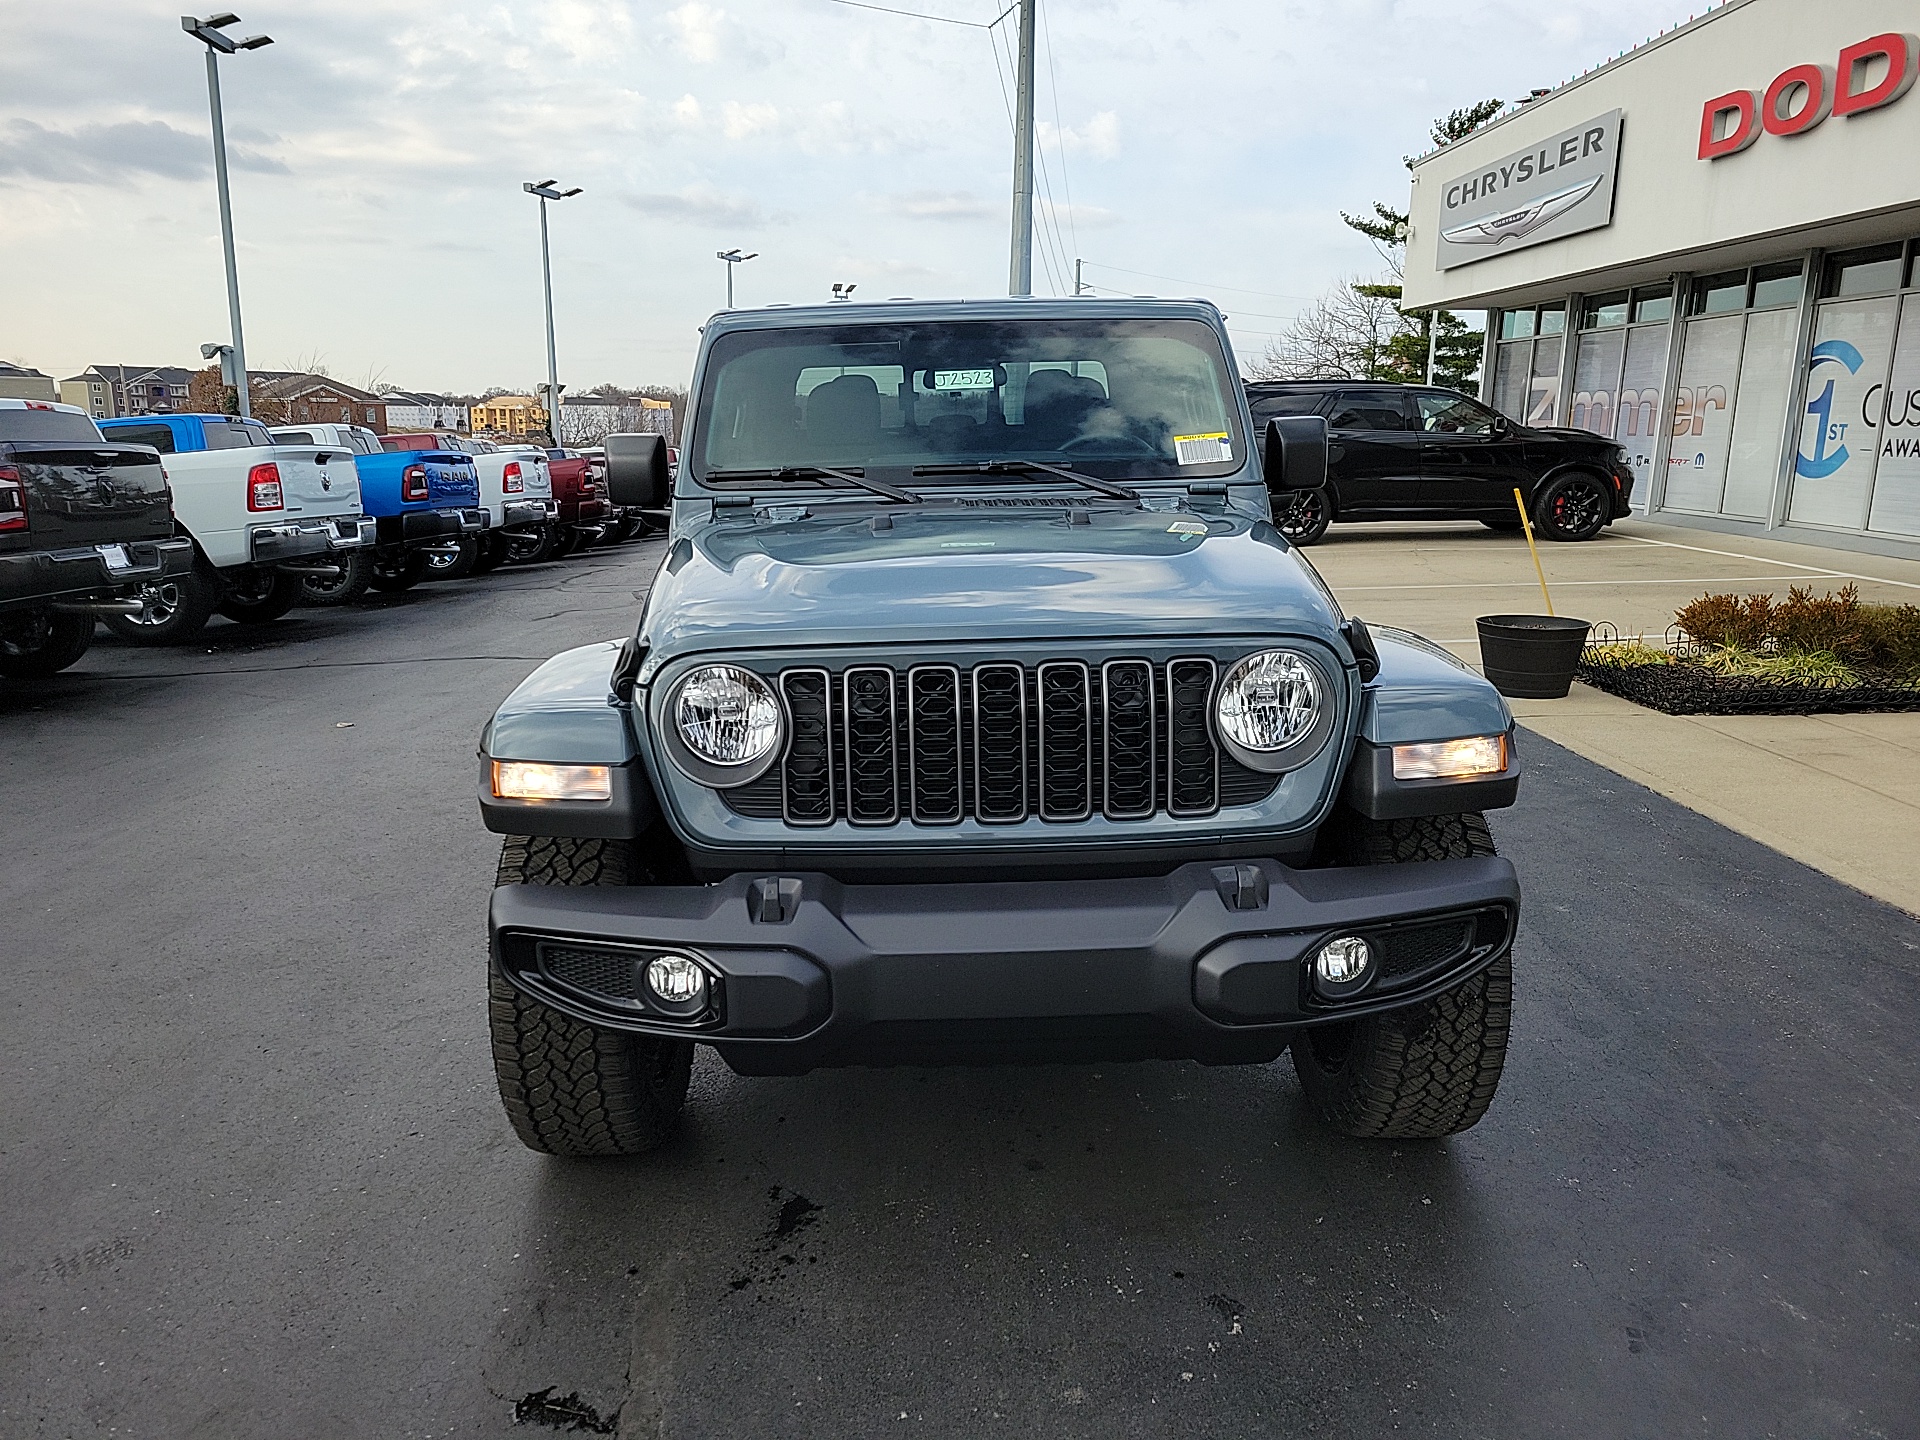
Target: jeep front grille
column 999, row 742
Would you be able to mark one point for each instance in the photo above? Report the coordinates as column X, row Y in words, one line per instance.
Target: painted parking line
column 1759, row 560
column 1568, row 584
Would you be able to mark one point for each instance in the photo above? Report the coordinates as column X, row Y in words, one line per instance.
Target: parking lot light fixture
column 209, row 33
column 733, row 257
column 544, row 190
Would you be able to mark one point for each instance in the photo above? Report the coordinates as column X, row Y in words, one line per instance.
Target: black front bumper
column 1209, row 963
column 31, row 576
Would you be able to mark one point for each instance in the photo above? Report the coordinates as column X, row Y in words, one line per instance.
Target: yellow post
column 1526, row 524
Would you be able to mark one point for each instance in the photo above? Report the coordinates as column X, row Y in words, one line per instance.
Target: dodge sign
column 1560, row 187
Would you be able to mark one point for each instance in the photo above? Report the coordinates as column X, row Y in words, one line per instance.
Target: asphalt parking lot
column 254, row 1179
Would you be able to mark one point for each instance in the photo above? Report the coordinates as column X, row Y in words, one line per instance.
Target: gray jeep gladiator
column 979, row 713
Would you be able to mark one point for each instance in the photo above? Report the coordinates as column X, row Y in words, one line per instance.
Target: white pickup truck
column 261, row 515
column 523, row 520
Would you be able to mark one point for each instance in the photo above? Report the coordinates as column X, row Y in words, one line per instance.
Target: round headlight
column 1271, row 707
column 727, row 716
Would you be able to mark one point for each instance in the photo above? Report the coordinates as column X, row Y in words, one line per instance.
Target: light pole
column 1020, row 268
column 733, row 257
column 208, row 33
column 544, row 189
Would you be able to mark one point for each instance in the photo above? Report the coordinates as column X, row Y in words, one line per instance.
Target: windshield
column 46, row 425
column 1123, row 399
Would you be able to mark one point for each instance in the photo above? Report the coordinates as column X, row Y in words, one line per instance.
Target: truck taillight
column 263, row 488
column 510, row 480
column 413, row 483
column 13, row 500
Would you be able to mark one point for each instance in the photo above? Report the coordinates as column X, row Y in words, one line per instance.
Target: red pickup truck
column 580, row 490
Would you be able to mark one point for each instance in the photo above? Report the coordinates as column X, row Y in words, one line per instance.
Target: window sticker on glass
column 963, row 379
column 1211, row 449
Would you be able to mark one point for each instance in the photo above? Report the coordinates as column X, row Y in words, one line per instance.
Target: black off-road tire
column 390, row 577
column 176, row 610
column 569, row 1088
column 492, row 554
column 42, row 643
column 259, row 597
column 356, row 573
column 1429, row 1071
column 533, row 547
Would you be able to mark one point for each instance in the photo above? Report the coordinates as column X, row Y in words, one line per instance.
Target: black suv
column 1411, row 452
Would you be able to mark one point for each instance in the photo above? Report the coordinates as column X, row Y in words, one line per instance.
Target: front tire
column 1425, row 1072
column 259, row 596
column 1573, row 508
column 42, row 643
column 570, row 1088
column 172, row 611
column 1304, row 516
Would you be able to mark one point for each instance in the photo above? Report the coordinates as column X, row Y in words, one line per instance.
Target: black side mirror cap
column 637, row 471
column 1360, row 641
column 1295, row 453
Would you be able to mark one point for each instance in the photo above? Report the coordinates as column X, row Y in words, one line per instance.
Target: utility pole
column 1078, row 288
column 545, row 191
column 1433, row 341
column 208, row 33
column 1020, row 269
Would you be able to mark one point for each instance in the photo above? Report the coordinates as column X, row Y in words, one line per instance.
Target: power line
column 918, row 15
column 1203, row 284
column 1059, row 133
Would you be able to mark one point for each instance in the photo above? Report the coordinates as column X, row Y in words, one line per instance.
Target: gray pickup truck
column 84, row 522
column 979, row 713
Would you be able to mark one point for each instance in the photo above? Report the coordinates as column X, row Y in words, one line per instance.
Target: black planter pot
column 1531, row 657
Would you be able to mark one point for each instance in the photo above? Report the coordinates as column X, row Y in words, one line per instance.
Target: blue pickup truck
column 426, row 503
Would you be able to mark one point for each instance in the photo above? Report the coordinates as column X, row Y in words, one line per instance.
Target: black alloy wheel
column 391, row 576
column 37, row 643
column 356, row 572
column 1574, row 507
column 171, row 611
column 1304, row 515
column 530, row 547
column 455, row 562
column 258, row 596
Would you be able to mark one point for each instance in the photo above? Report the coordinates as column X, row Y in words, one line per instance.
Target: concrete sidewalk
column 1839, row 792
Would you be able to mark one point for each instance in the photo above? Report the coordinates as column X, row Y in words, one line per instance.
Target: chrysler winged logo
column 1515, row 224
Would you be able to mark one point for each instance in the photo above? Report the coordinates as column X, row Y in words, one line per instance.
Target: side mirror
column 1295, row 453
column 1501, row 425
column 637, row 471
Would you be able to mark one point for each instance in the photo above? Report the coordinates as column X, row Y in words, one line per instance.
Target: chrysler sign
column 1560, row 187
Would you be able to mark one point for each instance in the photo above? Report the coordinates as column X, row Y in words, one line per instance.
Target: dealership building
column 1709, row 249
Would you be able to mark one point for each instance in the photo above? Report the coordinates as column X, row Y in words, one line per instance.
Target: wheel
column 356, row 573
column 392, row 576
column 530, row 547
column 1505, row 527
column 38, row 643
column 568, row 541
column 1303, row 516
column 457, row 566
column 569, row 1088
column 1425, row 1072
column 172, row 611
column 620, row 530
column 258, row 596
column 1574, row 507
column 492, row 552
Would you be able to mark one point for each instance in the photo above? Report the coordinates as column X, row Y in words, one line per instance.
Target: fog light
column 1342, row 965
column 529, row 780
column 1451, row 759
column 676, row 979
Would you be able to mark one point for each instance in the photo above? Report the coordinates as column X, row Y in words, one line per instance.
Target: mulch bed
column 1683, row 689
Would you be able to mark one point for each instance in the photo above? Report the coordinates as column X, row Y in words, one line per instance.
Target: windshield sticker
column 1187, row 527
column 963, row 379
column 1203, row 449
column 966, row 544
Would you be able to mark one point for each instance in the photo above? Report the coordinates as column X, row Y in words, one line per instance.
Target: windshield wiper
column 819, row 472
column 1016, row 467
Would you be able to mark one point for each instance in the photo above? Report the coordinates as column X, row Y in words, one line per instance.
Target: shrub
column 1736, row 620
column 1892, row 637
column 1816, row 623
column 1626, row 654
column 1820, row 669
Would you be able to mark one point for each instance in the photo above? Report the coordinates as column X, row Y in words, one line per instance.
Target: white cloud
column 697, row 29
column 686, row 111
column 742, row 122
column 698, row 204
column 943, row 205
column 1098, row 137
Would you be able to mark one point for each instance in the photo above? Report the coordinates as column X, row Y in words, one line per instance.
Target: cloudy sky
column 378, row 152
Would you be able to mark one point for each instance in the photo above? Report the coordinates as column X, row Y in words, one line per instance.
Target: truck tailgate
column 310, row 488
column 88, row 494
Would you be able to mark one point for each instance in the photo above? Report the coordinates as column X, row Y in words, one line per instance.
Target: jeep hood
column 943, row 575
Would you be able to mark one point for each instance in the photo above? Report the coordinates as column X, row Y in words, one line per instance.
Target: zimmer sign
column 1560, row 187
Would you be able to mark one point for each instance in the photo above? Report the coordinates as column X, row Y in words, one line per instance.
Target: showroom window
column 1620, row 371
column 1734, row 387
column 1858, row 463
column 1526, row 364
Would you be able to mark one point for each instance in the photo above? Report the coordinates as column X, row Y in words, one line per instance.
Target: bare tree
column 1347, row 334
